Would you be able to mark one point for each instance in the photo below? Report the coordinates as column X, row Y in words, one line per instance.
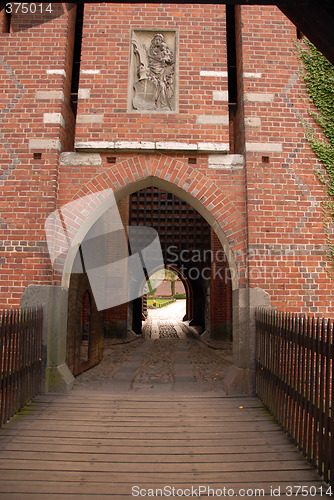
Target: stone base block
column 222, row 331
column 239, row 381
column 206, row 337
column 115, row 329
column 59, row 379
column 131, row 335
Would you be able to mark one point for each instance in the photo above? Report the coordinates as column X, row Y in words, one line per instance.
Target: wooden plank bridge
column 146, row 420
column 106, row 446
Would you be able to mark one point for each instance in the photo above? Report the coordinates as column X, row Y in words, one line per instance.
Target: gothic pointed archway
column 80, row 210
column 176, row 177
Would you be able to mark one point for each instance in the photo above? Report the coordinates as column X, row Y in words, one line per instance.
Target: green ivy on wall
column 318, row 75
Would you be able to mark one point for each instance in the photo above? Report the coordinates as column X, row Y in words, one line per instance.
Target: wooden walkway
column 96, row 445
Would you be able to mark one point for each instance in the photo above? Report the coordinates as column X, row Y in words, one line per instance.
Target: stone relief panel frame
column 153, row 71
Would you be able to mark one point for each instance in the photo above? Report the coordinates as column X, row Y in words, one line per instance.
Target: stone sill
column 175, row 147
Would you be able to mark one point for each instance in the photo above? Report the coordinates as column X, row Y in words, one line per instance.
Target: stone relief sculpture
column 154, row 89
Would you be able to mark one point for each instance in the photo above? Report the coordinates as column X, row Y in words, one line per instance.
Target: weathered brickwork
column 285, row 226
column 34, row 114
column 263, row 201
column 105, row 73
column 220, row 291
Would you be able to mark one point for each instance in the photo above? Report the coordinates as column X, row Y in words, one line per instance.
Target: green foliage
column 179, row 296
column 159, row 302
column 165, row 303
column 318, row 75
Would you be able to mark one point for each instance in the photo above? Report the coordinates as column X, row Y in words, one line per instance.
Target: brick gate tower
column 202, row 103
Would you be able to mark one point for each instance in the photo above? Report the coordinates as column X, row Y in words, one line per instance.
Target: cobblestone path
column 169, row 357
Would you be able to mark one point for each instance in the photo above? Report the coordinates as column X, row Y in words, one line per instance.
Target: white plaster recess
column 80, row 159
column 224, row 74
column 54, row 119
column 226, row 162
column 49, row 95
column 259, row 97
column 60, row 72
column 44, row 144
column 90, row 118
column 253, row 121
column 212, row 119
column 214, row 73
column 220, row 95
column 264, row 147
column 252, row 75
column 90, row 72
column 84, row 93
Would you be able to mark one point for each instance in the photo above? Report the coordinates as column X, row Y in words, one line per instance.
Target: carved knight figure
column 155, row 86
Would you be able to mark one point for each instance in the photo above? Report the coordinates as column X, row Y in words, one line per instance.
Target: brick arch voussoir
column 184, row 176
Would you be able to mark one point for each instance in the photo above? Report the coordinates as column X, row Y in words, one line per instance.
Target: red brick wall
column 286, row 232
column 220, row 291
column 283, row 244
column 29, row 186
column 106, row 48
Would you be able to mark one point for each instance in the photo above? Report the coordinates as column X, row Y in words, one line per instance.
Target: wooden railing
column 294, row 379
column 21, row 359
